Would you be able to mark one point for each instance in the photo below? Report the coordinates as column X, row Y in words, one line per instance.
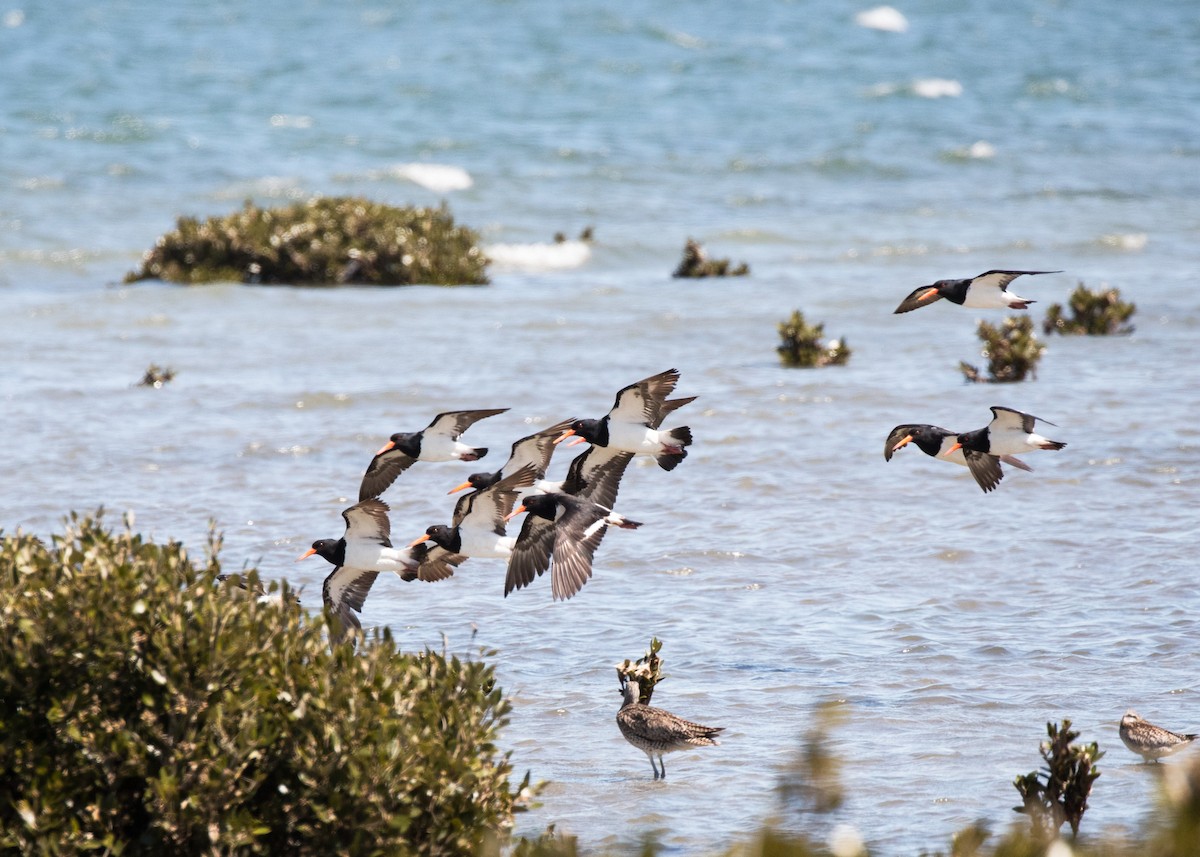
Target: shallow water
column 784, row 564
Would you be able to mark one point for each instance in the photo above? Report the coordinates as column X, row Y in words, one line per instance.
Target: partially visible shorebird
column 1149, row 741
column 564, row 526
column 534, row 449
column 438, row 441
column 1010, row 432
column 656, row 732
column 937, row 442
column 358, row 556
column 989, row 290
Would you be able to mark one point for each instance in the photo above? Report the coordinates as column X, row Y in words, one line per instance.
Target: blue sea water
column 785, row 564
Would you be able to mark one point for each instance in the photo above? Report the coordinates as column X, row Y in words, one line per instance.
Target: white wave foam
column 937, row 87
column 884, row 18
column 439, row 178
column 1132, row 241
column 559, row 255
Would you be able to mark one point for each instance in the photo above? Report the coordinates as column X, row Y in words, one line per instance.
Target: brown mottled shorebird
column 656, row 732
column 1149, row 741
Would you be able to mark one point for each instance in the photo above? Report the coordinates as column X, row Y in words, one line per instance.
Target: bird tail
column 475, row 454
column 678, row 439
column 1053, row 444
column 622, row 522
column 1023, row 303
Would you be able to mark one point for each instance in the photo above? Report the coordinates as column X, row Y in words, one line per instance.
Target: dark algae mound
column 323, row 241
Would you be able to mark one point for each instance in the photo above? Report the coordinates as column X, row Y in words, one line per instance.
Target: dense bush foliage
column 145, row 710
column 1100, row 313
column 323, row 241
column 1012, row 350
column 801, row 345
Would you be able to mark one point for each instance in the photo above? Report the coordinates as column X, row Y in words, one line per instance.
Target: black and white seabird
column 438, row 441
column 535, row 449
column 478, row 526
column 564, row 526
column 656, row 732
column 987, row 291
column 358, row 556
column 631, row 425
column 937, row 442
column 1009, row 433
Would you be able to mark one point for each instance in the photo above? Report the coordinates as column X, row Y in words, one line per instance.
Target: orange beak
column 577, row 441
column 907, row 440
column 417, row 541
column 306, row 554
column 389, row 445
column 564, row 436
column 462, row 487
column 932, row 293
column 514, row 513
column 951, row 449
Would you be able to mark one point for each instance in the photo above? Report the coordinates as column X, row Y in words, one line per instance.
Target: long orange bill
column 514, row 513
column 907, row 440
column 951, row 449
column 389, row 445
column 932, row 293
column 578, row 441
column 306, row 554
column 462, row 487
column 417, row 541
column 564, row 436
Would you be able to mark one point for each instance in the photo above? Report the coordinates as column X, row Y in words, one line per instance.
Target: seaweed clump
column 695, row 264
column 1099, row 313
column 646, row 671
column 1059, row 792
column 157, row 376
column 801, row 345
column 1012, row 349
column 323, row 241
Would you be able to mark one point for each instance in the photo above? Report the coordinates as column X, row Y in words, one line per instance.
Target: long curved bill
column 417, row 541
column 391, row 444
column 514, row 513
column 462, row 487
column 564, row 436
column 952, row 449
column 306, row 554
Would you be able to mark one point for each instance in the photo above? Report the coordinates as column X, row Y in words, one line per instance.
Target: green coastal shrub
column 1012, row 350
column 800, row 344
column 1099, row 313
column 145, row 710
column 695, row 264
column 324, row 241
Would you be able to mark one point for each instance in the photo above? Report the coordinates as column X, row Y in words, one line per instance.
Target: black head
column 333, row 550
column 589, row 430
column 445, row 537
column 976, row 441
column 542, row 505
column 408, row 442
column 480, row 481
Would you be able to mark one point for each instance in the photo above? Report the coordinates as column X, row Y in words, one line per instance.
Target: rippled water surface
column 784, row 564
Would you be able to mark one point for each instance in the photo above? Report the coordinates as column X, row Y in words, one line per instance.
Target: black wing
column 535, row 449
column 368, row 521
column 1007, row 418
column 577, row 534
column 917, row 298
column 643, row 401
column 531, row 553
column 985, row 468
column 382, row 472
column 453, row 423
column 344, row 593
column 596, row 475
column 1001, row 279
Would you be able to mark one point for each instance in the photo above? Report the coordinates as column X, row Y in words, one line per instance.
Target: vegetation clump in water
column 157, row 376
column 695, row 263
column 801, row 346
column 1099, row 313
column 1059, row 792
column 146, row 711
column 323, row 241
column 1012, row 349
column 646, row 671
